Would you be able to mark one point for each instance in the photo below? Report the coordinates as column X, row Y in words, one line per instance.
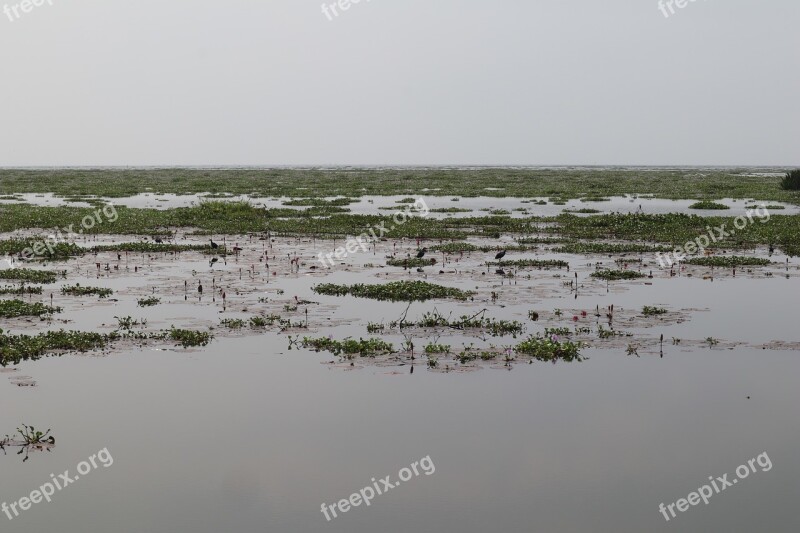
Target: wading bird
column 500, row 255
column 421, row 253
column 213, row 244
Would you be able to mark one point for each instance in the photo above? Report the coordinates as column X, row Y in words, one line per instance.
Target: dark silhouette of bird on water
column 200, row 288
column 213, row 244
column 500, row 255
column 421, row 253
column 213, row 260
column 158, row 240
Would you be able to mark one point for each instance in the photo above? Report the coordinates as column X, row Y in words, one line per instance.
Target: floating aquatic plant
column 549, row 349
column 405, row 291
column 77, row 290
column 148, row 302
column 17, row 308
column 727, row 261
column 349, row 347
column 616, row 275
column 706, row 204
column 29, row 275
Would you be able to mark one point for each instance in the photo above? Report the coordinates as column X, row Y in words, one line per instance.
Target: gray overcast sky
column 270, row 82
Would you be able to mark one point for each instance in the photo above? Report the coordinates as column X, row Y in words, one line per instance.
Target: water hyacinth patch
column 550, row 349
column 616, row 275
column 397, row 291
column 17, row 308
column 21, row 290
column 532, row 263
column 16, row 348
column 29, row 276
column 709, row 205
column 349, row 347
column 731, row 261
column 148, row 302
column 77, row 290
column 411, row 262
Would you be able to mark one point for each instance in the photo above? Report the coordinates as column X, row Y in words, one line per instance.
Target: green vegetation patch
column 29, row 276
column 616, row 275
column 549, row 349
column 731, row 261
column 397, row 291
column 77, row 290
column 17, row 308
column 707, row 204
column 349, row 347
column 16, row 348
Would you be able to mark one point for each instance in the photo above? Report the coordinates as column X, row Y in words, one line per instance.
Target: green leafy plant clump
column 707, row 204
column 617, row 275
column 29, row 275
column 648, row 310
column 454, row 247
column 532, row 263
column 727, row 262
column 17, row 308
column 148, row 302
column 549, row 349
column 412, row 262
column 397, row 291
column 21, row 290
column 349, row 347
column 16, row 348
column 77, row 290
column 189, row 338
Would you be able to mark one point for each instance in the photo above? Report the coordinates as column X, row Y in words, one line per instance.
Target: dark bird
column 159, row 241
column 421, row 253
column 213, row 244
column 500, row 255
column 213, row 260
column 200, row 288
